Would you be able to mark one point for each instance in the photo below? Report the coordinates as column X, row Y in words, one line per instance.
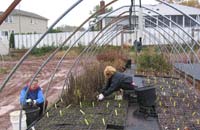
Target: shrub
column 84, row 87
column 12, row 41
column 43, row 50
column 114, row 57
column 153, row 62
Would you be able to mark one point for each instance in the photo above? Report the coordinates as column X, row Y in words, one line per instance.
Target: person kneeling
column 115, row 82
column 34, row 96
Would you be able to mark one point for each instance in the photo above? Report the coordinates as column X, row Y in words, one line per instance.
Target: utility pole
column 9, row 10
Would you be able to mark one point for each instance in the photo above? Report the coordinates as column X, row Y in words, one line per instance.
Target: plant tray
column 115, row 127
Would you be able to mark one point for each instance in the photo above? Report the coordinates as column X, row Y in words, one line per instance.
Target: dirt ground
column 9, row 97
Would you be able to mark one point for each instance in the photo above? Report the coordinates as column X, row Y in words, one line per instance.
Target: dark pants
column 41, row 105
column 128, row 87
column 129, row 90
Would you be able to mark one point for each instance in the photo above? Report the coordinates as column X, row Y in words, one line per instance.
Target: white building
column 151, row 16
column 23, row 22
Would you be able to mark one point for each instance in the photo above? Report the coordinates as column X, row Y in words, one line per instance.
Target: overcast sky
column 52, row 9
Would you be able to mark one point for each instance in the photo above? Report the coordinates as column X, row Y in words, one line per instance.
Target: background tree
column 191, row 3
column 12, row 41
column 95, row 9
column 65, row 28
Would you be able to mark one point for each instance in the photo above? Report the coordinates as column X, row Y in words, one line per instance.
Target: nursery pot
column 15, row 120
column 146, row 96
column 128, row 63
column 32, row 114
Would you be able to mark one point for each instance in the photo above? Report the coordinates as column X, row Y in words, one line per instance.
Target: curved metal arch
column 29, row 51
column 157, row 39
column 52, row 54
column 69, row 72
column 171, row 36
column 179, row 28
column 57, row 66
column 194, row 20
column 76, row 62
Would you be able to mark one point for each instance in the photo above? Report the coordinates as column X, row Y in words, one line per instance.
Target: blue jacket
column 34, row 95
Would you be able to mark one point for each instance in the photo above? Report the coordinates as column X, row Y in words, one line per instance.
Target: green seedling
column 61, row 100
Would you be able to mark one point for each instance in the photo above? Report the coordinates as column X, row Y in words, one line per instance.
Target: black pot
column 146, row 96
column 32, row 114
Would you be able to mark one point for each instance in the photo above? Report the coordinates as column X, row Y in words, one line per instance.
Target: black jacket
column 116, row 82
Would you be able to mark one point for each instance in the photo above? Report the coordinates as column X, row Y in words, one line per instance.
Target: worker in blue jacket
column 115, row 82
column 34, row 96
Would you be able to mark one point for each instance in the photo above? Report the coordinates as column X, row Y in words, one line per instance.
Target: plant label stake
column 47, row 115
column 160, row 103
column 56, row 106
column 103, row 121
column 80, row 105
column 174, row 103
column 68, row 106
column 165, row 110
column 173, row 120
column 107, row 104
column 170, row 99
column 82, row 112
column 93, row 104
column 61, row 114
column 61, row 100
column 86, row 121
column 119, row 104
column 193, row 114
column 198, row 122
column 116, row 112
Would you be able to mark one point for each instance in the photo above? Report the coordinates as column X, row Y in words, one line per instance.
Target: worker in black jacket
column 115, row 82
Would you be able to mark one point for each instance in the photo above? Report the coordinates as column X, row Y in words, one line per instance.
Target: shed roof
column 160, row 8
column 17, row 12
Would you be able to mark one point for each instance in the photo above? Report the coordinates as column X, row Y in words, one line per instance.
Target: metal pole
column 9, row 10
